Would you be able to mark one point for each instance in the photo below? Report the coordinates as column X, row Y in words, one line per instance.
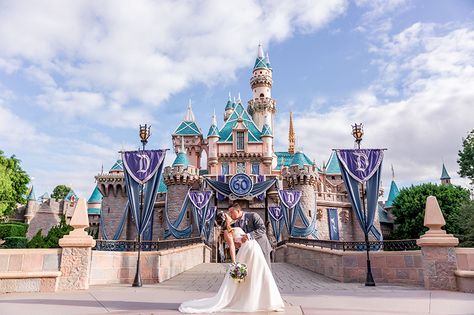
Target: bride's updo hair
column 221, row 219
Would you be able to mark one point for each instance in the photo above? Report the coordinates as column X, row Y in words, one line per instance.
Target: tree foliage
column 466, row 224
column 466, row 157
column 13, row 184
column 60, row 192
column 409, row 206
column 54, row 235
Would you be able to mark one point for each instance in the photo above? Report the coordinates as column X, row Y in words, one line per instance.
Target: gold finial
column 291, row 136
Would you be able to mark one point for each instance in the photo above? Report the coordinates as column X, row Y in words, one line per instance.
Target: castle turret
column 179, row 178
column 302, row 175
column 445, row 178
column 229, row 108
column 261, row 82
column 191, row 134
column 212, row 138
column 31, row 206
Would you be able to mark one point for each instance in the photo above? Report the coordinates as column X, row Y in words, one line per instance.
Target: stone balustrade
column 29, row 270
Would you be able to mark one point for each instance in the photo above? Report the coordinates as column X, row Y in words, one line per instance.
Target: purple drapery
column 260, row 179
column 221, row 178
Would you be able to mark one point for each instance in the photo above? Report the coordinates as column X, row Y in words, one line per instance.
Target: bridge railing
column 132, row 246
column 389, row 245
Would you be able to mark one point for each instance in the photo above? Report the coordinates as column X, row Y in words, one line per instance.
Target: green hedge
column 15, row 242
column 12, row 229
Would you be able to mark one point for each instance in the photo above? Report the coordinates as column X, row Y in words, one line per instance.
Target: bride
column 258, row 292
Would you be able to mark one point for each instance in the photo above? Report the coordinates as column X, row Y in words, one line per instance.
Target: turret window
column 262, row 95
column 255, row 168
column 225, row 168
column 240, row 140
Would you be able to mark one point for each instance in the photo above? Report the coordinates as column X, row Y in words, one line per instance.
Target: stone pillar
column 76, row 253
column 437, row 249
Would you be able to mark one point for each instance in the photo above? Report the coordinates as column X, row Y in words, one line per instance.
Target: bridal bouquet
column 238, row 271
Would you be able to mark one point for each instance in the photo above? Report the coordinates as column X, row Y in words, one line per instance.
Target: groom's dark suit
column 252, row 223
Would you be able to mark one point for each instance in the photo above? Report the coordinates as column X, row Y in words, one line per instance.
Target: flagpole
column 144, row 134
column 358, row 132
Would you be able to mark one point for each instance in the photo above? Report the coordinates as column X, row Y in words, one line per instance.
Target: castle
column 242, row 144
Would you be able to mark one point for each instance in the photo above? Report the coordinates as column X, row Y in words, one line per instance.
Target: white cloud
column 110, row 56
column 425, row 125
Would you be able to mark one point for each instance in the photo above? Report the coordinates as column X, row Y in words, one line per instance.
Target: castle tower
column 191, row 134
column 302, row 175
column 394, row 192
column 229, row 108
column 291, row 136
column 212, row 138
column 179, row 178
column 261, row 82
column 267, row 139
column 31, row 206
column 112, row 187
column 445, row 178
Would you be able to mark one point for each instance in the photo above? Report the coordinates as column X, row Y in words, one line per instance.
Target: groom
column 252, row 224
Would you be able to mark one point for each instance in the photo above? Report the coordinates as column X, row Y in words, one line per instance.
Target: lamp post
column 144, row 134
column 357, row 133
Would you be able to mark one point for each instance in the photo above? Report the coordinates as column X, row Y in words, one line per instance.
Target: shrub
column 15, row 242
column 12, row 229
column 57, row 232
column 37, row 241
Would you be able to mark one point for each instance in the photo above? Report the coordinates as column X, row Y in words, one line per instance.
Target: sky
column 77, row 78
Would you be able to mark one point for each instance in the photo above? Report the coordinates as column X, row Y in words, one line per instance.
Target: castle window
column 255, row 168
column 240, row 167
column 240, row 140
column 261, row 95
column 225, row 168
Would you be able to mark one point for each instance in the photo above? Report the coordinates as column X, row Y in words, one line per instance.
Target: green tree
column 466, row 224
column 13, row 184
column 466, row 157
column 60, row 192
column 409, row 206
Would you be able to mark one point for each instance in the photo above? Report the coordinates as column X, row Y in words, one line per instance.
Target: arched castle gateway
column 241, row 143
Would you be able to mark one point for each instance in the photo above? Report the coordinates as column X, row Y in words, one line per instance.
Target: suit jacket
column 253, row 224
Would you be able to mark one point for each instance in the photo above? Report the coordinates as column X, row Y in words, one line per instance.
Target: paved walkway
column 304, row 292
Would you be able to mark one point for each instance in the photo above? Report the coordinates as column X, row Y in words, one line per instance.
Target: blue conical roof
column 70, row 195
column 260, row 62
column 31, row 195
column 229, row 105
column 117, row 167
column 213, row 131
column 188, row 128
column 96, row 196
column 300, row 160
column 444, row 173
column 333, row 165
column 394, row 192
column 181, row 159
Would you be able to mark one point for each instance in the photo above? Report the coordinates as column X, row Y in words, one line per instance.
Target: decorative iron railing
column 132, row 246
column 391, row 245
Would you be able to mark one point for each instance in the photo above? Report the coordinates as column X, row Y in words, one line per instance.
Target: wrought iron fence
column 391, row 245
column 132, row 246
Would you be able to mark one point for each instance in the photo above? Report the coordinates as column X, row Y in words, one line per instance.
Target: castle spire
column 189, row 113
column 445, row 178
column 260, row 53
column 291, row 136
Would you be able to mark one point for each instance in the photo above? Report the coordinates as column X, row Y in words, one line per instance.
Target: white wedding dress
column 258, row 292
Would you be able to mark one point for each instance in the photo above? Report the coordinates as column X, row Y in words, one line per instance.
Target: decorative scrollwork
column 392, row 245
column 132, row 246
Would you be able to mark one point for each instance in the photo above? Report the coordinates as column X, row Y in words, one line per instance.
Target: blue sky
column 77, row 78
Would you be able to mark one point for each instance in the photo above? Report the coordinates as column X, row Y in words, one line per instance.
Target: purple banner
column 210, row 213
column 361, row 164
column 261, row 178
column 289, row 197
column 200, row 198
column 276, row 213
column 142, row 164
